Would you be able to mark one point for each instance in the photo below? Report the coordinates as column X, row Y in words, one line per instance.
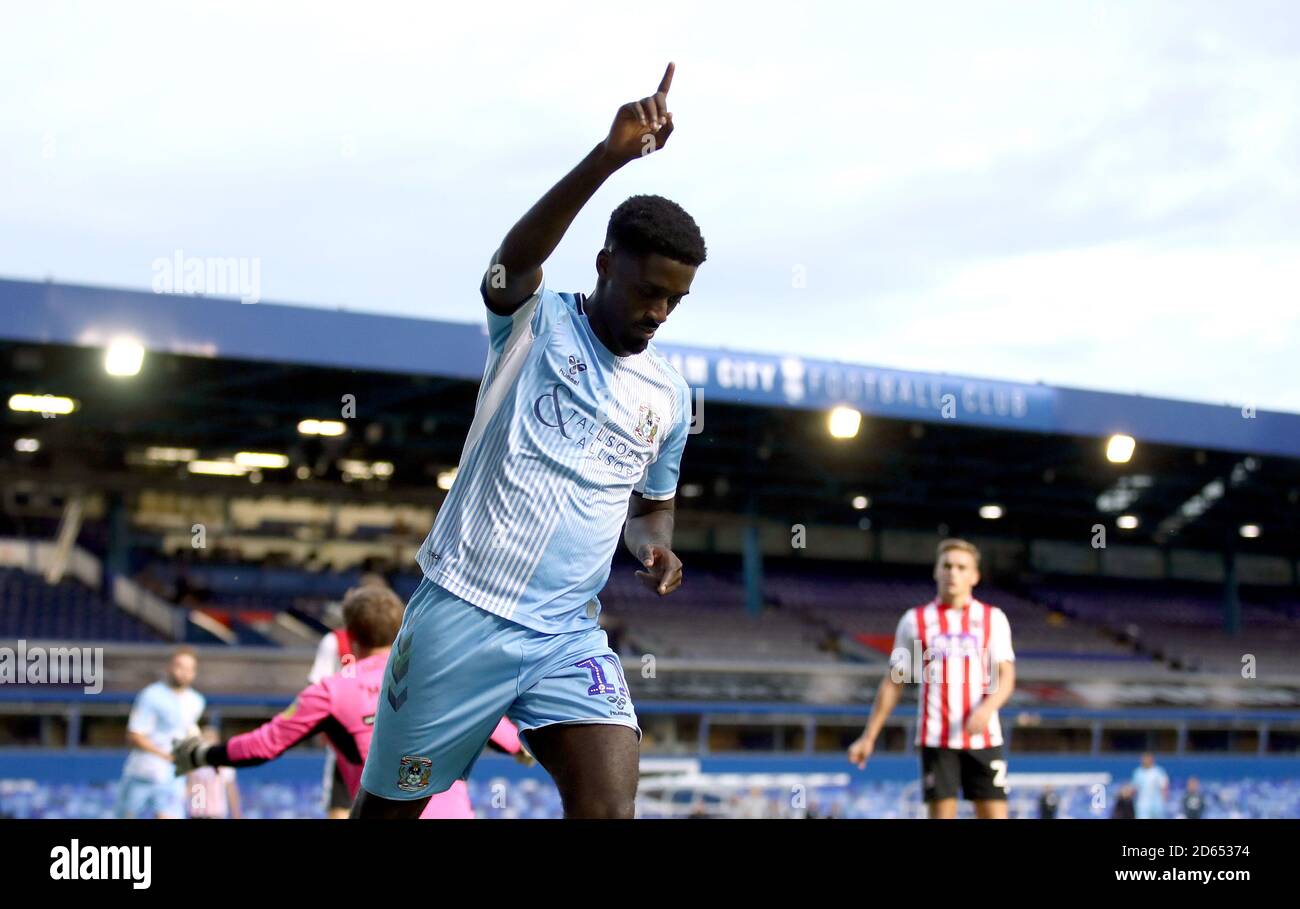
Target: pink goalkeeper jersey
column 343, row 707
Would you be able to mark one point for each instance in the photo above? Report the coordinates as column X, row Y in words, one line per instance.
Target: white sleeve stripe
column 521, row 316
column 507, row 370
column 657, row 498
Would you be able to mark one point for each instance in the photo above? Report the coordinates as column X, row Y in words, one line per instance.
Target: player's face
column 182, row 669
column 956, row 574
column 639, row 293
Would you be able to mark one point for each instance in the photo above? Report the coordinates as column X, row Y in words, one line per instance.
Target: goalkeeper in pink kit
column 342, row 706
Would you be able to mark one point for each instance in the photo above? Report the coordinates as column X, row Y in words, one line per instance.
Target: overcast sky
column 1101, row 195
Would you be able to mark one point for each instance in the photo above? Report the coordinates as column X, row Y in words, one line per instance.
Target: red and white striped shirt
column 960, row 650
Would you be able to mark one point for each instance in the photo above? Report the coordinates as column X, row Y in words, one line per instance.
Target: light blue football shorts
column 140, row 798
column 456, row 669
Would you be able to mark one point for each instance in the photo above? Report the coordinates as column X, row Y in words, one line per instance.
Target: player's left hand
column 663, row 570
column 979, row 720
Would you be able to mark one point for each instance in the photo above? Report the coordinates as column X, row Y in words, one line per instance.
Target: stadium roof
column 223, row 377
column 54, row 313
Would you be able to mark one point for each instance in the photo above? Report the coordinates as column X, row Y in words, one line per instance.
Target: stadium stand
column 1182, row 624
column 532, row 799
column 771, row 650
column 67, row 611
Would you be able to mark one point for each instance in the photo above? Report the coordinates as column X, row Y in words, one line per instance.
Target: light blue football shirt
column 163, row 715
column 1150, row 783
column 563, row 432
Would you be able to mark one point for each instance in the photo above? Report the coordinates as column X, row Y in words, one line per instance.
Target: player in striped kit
column 967, row 671
column 576, row 442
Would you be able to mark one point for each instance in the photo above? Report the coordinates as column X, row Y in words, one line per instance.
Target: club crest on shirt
column 647, row 426
column 413, row 774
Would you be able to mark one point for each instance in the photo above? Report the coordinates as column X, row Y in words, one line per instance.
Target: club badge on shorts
column 413, row 774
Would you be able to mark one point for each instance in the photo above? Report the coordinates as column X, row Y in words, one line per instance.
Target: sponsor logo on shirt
column 556, row 410
column 955, row 645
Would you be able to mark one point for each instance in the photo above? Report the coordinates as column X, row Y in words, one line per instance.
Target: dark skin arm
column 515, row 273
column 649, row 536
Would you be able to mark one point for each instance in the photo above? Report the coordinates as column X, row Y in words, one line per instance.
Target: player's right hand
column 187, row 754
column 860, row 750
column 641, row 127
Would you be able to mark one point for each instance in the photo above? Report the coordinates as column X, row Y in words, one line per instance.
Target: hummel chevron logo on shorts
column 401, row 666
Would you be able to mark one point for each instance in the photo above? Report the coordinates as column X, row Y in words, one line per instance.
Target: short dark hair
column 372, row 615
column 652, row 224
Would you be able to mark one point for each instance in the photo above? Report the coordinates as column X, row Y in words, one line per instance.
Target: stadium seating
column 533, row 799
column 866, row 607
column 1183, row 623
column 706, row 618
column 32, row 609
column 813, row 613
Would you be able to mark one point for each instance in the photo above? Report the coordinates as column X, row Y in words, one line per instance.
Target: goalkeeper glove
column 189, row 754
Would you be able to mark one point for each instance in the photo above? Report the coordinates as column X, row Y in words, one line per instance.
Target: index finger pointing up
column 667, row 80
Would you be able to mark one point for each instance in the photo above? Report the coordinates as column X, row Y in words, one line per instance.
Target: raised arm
column 639, row 127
